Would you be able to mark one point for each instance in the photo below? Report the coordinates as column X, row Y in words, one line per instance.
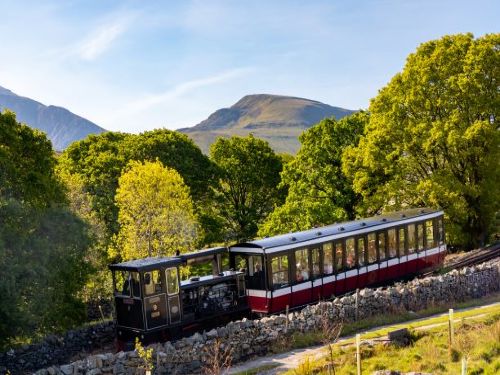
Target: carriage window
column 152, row 282
column 315, row 263
column 411, row 238
column 361, row 252
column 172, row 280
column 338, row 256
column 440, row 231
column 420, row 235
column 381, row 245
column 429, row 234
column 401, row 241
column 302, row 264
column 391, row 243
column 372, row 248
column 255, row 265
column 279, row 270
column 255, row 278
column 327, row 258
column 350, row 253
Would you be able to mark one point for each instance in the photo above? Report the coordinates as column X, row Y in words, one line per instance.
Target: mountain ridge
column 60, row 124
column 276, row 118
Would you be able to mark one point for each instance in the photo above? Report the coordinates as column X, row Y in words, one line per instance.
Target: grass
column 477, row 339
column 258, row 370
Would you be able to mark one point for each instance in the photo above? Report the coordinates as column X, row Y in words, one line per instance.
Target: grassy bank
column 477, row 338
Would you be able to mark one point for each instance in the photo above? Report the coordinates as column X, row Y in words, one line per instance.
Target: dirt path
column 289, row 360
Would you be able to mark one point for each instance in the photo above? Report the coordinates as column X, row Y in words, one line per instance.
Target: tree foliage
column 433, row 137
column 319, row 193
column 247, row 191
column 156, row 213
column 27, row 164
column 101, row 159
column 42, row 244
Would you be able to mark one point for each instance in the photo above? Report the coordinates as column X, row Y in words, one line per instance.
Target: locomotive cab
column 153, row 304
column 147, row 298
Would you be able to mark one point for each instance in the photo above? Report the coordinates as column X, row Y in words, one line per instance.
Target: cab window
column 172, row 280
column 152, row 282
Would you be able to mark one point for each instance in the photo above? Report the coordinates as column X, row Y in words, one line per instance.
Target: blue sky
column 139, row 65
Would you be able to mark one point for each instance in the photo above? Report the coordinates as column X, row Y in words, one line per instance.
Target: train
column 269, row 275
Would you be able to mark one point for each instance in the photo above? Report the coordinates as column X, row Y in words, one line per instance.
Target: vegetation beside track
column 477, row 338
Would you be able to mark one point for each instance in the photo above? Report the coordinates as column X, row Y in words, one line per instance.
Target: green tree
column 42, row 244
column 156, row 213
column 247, row 191
column 319, row 193
column 101, row 159
column 433, row 137
column 27, row 164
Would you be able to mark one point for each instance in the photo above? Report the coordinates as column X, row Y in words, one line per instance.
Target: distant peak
column 4, row 91
column 258, row 99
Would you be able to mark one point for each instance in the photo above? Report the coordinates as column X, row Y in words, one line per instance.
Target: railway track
column 488, row 253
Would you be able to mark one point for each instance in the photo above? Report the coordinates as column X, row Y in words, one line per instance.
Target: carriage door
column 174, row 307
column 155, row 303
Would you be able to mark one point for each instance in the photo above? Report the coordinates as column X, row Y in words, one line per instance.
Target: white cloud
column 184, row 88
column 101, row 39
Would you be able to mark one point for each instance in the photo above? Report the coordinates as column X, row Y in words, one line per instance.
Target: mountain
column 61, row 126
column 277, row 119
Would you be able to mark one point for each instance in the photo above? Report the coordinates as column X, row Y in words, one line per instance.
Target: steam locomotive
column 267, row 275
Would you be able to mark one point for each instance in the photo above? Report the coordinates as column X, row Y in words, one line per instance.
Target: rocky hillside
column 278, row 119
column 62, row 126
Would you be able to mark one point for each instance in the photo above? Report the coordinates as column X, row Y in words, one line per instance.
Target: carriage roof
column 322, row 234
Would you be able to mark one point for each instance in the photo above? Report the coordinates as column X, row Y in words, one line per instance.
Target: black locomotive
column 153, row 304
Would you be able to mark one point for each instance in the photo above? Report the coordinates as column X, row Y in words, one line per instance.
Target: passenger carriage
column 303, row 267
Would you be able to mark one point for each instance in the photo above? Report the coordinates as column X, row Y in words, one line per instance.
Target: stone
column 212, row 334
column 67, row 369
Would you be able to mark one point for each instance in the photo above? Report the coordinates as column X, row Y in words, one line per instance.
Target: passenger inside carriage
column 302, row 274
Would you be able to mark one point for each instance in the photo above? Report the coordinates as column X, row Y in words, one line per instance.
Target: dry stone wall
column 247, row 338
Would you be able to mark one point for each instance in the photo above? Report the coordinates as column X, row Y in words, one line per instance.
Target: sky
column 139, row 65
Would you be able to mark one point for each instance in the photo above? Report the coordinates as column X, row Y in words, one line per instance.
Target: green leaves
column 248, row 185
column 318, row 191
column 156, row 213
column 433, row 137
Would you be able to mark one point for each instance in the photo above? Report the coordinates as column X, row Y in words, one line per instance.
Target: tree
column 319, row 193
column 249, row 175
column 42, row 244
column 156, row 213
column 433, row 137
column 101, row 159
column 27, row 165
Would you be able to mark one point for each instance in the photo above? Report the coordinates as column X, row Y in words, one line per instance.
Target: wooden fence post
column 464, row 366
column 358, row 353
column 357, row 304
column 286, row 322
